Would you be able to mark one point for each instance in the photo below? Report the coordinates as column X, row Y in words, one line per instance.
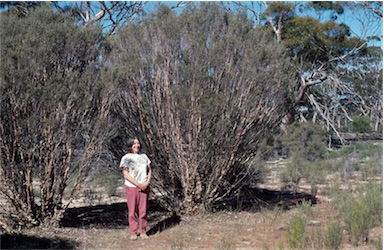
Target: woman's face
column 136, row 146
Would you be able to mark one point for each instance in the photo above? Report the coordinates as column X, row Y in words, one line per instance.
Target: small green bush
column 360, row 213
column 296, row 237
column 316, row 174
column 306, row 208
column 294, row 171
column 361, row 124
column 331, row 164
column 372, row 195
column 358, row 220
column 300, row 168
column 315, row 238
column 333, row 235
column 306, row 139
column 330, row 237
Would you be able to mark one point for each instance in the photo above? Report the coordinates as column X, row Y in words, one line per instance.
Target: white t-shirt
column 137, row 166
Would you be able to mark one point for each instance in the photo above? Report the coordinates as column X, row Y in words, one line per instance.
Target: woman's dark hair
column 130, row 143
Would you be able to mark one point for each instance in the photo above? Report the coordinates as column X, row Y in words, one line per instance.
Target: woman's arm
column 128, row 177
column 149, row 174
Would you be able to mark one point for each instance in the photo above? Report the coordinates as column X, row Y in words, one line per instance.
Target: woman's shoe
column 144, row 236
column 133, row 237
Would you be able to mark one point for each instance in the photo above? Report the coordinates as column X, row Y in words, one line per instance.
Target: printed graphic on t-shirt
column 137, row 166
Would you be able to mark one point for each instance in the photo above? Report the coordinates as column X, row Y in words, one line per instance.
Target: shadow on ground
column 253, row 199
column 115, row 216
column 20, row 241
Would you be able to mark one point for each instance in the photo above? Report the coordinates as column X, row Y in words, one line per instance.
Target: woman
column 137, row 176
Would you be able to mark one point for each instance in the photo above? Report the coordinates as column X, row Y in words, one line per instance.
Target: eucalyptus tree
column 325, row 54
column 376, row 7
column 109, row 14
column 201, row 89
column 51, row 125
column 19, row 8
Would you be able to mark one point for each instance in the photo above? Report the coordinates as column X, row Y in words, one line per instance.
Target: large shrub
column 50, row 114
column 201, row 89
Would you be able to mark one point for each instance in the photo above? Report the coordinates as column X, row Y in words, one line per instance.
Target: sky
column 362, row 24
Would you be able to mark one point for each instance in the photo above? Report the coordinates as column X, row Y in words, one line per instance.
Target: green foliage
column 44, row 54
column 360, row 213
column 49, row 90
column 357, row 220
column 296, row 236
column 333, row 235
column 299, row 25
column 294, row 171
column 372, row 194
column 328, row 237
column 361, row 124
column 361, row 150
column 326, row 5
column 312, row 41
column 299, row 168
column 269, row 144
column 275, row 9
column 330, row 164
column 358, row 156
column 307, row 140
column 37, row 193
column 306, row 208
column 348, row 167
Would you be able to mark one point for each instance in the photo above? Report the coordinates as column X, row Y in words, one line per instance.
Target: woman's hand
column 128, row 177
column 143, row 186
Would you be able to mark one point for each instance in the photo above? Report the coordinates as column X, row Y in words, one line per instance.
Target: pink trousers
column 137, row 209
